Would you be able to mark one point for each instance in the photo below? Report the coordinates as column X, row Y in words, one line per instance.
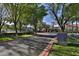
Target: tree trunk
column 62, row 28
column 35, row 28
column 15, row 28
column 72, row 26
column 0, row 28
column 76, row 26
column 20, row 25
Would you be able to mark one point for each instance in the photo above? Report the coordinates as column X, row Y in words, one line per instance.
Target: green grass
column 59, row 50
column 64, row 51
column 73, row 40
column 25, row 36
column 9, row 38
column 6, row 39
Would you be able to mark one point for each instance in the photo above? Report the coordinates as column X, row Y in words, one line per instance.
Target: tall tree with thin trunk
column 36, row 12
column 16, row 11
column 3, row 15
column 66, row 11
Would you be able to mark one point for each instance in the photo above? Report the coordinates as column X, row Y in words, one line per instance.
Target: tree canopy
column 67, row 12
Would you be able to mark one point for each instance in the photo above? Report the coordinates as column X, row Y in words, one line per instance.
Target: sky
column 48, row 18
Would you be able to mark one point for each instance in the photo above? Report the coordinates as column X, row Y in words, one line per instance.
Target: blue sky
column 49, row 18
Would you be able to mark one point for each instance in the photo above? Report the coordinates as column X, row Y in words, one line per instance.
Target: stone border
column 46, row 51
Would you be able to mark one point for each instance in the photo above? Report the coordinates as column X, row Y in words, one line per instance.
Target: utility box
column 62, row 38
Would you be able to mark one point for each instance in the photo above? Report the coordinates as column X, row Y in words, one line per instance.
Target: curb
column 46, row 51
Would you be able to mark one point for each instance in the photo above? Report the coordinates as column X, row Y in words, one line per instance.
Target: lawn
column 6, row 38
column 73, row 40
column 25, row 36
column 71, row 50
column 64, row 51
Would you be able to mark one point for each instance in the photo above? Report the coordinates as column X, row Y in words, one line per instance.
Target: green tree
column 3, row 15
column 37, row 12
column 67, row 11
column 17, row 14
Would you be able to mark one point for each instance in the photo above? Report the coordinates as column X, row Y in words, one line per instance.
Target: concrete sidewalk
column 24, row 47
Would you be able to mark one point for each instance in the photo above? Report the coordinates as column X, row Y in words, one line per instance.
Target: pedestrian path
column 24, row 47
